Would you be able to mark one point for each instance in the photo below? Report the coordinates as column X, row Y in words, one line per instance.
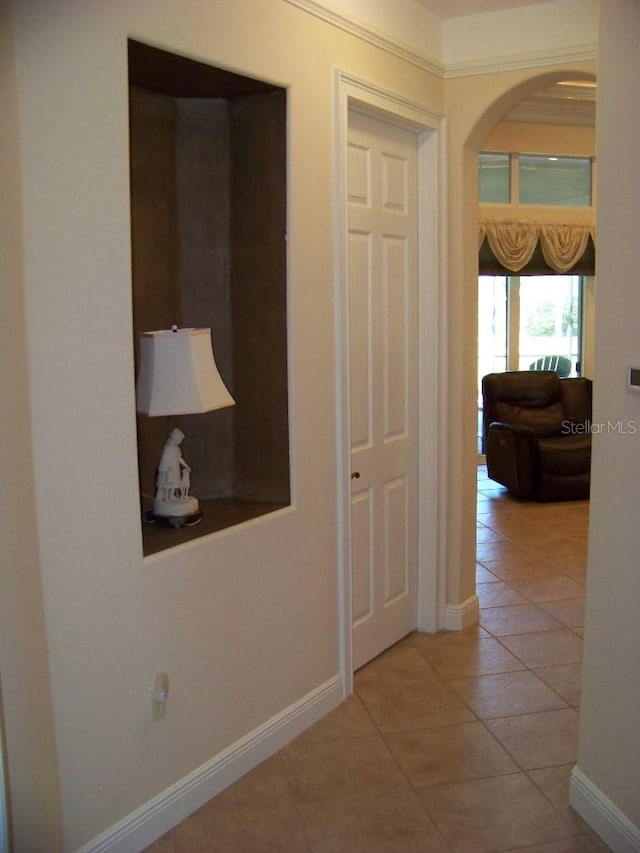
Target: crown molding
column 514, row 62
column 369, row 35
column 491, row 65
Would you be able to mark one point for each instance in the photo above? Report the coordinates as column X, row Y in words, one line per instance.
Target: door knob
column 355, row 475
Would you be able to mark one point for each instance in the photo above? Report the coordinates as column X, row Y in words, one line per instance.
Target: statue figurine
column 172, row 500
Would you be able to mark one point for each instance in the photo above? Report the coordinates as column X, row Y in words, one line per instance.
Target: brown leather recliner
column 537, row 434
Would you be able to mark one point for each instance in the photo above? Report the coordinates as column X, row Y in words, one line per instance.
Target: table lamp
column 178, row 375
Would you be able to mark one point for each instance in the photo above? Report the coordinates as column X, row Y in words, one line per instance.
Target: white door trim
column 352, row 93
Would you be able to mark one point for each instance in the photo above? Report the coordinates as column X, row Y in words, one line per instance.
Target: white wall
column 245, row 622
column 513, row 37
column 606, row 784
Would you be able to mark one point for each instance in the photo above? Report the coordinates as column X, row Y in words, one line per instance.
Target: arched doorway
column 551, row 128
column 475, row 106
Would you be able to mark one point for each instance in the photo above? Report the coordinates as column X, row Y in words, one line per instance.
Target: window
column 534, row 179
column 494, row 178
column 554, row 180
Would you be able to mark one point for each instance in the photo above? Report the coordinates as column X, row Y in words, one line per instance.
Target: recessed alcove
column 208, row 234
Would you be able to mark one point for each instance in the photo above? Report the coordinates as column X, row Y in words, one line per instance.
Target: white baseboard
column 156, row 817
column 457, row 617
column 602, row 815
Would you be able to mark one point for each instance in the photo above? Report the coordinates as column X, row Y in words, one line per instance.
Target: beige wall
column 26, row 698
column 245, row 623
column 609, row 755
column 538, row 138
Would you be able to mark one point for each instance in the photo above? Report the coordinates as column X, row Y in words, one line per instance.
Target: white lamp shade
column 178, row 374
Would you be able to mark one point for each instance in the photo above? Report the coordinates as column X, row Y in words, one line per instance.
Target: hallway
column 460, row 742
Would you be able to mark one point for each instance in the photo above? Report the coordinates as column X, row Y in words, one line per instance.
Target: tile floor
column 454, row 742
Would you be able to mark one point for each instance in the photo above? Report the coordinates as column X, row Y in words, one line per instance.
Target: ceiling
column 459, row 8
column 569, row 103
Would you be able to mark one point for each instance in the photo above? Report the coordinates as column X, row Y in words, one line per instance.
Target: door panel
column 395, row 283
column 360, row 343
column 361, row 530
column 382, row 281
column 396, row 564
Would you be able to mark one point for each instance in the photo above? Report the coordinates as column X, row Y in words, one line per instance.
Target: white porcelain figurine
column 172, row 500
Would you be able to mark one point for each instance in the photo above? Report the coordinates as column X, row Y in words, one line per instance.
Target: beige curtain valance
column 513, row 243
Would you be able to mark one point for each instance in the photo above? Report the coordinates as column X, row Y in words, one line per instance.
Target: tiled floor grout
column 451, row 743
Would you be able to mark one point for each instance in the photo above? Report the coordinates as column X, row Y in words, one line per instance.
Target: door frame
column 352, row 93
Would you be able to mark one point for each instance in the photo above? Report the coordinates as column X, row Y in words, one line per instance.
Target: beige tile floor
column 452, row 743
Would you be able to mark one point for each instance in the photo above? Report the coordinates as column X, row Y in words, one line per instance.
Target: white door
column 382, row 283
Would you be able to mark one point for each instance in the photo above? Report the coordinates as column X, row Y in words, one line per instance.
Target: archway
column 495, row 111
column 570, row 135
column 475, row 104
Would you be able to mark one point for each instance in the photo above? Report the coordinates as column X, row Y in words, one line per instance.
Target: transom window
column 534, row 179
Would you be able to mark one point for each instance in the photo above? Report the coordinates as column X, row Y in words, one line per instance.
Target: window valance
column 513, row 244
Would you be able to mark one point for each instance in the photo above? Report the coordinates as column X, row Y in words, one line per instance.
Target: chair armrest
column 511, row 452
column 576, row 399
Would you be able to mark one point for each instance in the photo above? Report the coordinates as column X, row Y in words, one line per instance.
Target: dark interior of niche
column 208, row 235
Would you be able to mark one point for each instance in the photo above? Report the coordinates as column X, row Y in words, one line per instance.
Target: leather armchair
column 537, row 437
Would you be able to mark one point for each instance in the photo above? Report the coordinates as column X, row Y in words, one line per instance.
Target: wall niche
column 208, row 233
